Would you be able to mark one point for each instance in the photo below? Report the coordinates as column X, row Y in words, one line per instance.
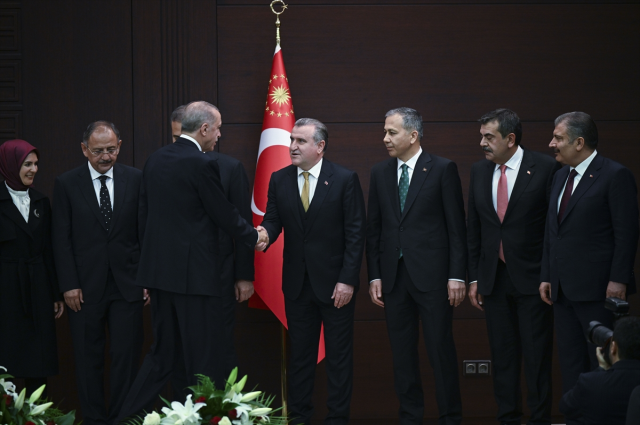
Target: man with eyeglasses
column 96, row 248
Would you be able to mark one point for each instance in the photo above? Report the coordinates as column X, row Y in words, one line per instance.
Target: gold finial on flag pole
column 284, row 6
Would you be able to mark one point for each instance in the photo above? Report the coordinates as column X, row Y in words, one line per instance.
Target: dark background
column 66, row 63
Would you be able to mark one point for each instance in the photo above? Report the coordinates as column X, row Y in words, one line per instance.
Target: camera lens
column 598, row 334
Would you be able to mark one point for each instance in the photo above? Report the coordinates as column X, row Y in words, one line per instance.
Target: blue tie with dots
column 105, row 202
column 403, row 188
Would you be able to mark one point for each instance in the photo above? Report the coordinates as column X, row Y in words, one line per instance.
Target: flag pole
column 283, row 333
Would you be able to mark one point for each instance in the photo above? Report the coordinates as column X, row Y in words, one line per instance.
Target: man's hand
column 615, row 289
column 58, row 309
column 342, row 294
column 146, row 297
column 457, row 291
column 475, row 298
column 601, row 361
column 244, row 290
column 73, row 298
column 375, row 291
column 545, row 292
column 263, row 239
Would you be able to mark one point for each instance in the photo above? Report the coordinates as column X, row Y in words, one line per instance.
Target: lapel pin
column 326, row 183
column 424, row 169
column 36, row 213
column 590, row 175
column 528, row 172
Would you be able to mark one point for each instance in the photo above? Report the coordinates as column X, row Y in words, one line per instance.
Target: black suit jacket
column 521, row 231
column 182, row 204
column 430, row 231
column 84, row 250
column 597, row 239
column 327, row 241
column 602, row 397
column 236, row 260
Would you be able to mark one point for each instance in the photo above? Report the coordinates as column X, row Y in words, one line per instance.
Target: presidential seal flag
column 273, row 154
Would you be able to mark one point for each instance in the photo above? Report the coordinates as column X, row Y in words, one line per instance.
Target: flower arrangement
column 16, row 409
column 217, row 407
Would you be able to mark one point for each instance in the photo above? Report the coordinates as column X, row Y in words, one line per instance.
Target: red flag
column 273, row 154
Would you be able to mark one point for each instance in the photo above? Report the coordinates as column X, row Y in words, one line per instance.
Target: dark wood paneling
column 175, row 62
column 348, row 63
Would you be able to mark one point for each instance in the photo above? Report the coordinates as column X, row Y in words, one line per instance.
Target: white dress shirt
column 314, row 175
column 580, row 169
column 513, row 166
column 184, row 136
column 97, row 184
column 21, row 200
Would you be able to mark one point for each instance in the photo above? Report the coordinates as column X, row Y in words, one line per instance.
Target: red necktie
column 568, row 190
column 503, row 201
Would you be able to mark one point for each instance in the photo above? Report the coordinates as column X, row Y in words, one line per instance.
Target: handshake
column 263, row 239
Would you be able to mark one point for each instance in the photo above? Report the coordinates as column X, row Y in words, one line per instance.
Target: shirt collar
column 184, row 136
column 314, row 171
column 96, row 175
column 582, row 167
column 515, row 159
column 412, row 162
column 17, row 192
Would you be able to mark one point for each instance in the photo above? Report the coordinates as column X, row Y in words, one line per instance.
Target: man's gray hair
column 580, row 124
column 98, row 124
column 196, row 114
column 411, row 119
column 178, row 113
column 321, row 133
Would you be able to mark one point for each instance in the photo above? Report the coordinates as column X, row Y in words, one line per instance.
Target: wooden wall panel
column 347, row 63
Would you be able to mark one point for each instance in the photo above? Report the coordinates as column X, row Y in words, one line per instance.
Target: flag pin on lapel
column 326, row 183
column 590, row 175
column 36, row 213
column 528, row 172
column 424, row 169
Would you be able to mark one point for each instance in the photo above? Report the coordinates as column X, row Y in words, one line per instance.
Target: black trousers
column 404, row 306
column 123, row 319
column 187, row 335
column 519, row 326
column 305, row 315
column 575, row 353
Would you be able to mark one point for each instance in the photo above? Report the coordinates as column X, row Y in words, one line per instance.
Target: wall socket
column 476, row 367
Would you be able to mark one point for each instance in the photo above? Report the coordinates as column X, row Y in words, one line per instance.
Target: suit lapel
column 420, row 174
column 294, row 195
column 120, row 189
column 525, row 174
column 591, row 174
column 35, row 211
column 562, row 174
column 391, row 177
column 86, row 188
column 322, row 188
column 488, row 190
column 11, row 211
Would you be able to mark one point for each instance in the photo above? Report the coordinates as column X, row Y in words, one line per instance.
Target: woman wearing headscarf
column 29, row 297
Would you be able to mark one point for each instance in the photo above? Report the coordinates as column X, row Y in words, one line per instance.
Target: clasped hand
column 263, row 239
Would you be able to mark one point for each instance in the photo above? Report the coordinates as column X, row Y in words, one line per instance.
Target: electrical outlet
column 476, row 367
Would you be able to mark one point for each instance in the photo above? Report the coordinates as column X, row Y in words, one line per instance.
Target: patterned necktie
column 503, row 201
column 105, row 202
column 403, row 186
column 305, row 191
column 568, row 190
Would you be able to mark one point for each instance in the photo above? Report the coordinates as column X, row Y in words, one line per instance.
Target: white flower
column 261, row 411
column 224, row 421
column 20, row 400
column 182, row 415
column 250, row 396
column 8, row 386
column 36, row 394
column 152, row 419
column 40, row 409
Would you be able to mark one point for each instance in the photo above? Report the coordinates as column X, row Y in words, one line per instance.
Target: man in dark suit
column 590, row 240
column 182, row 206
column 320, row 206
column 508, row 203
column 417, row 260
column 236, row 261
column 96, row 249
column 603, row 396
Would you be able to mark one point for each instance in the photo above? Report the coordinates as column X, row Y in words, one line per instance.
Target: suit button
column 402, row 229
column 396, row 248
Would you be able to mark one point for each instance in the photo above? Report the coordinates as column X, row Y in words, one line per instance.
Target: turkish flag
column 273, row 154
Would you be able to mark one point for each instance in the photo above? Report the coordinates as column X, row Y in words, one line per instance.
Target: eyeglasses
column 110, row 151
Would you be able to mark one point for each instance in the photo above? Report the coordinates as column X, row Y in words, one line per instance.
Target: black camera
column 599, row 334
